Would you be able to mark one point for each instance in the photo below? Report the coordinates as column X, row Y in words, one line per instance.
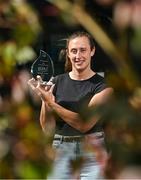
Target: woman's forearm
column 47, row 119
column 74, row 119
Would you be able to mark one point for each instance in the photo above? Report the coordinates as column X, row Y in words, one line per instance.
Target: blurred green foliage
column 20, row 26
column 23, row 146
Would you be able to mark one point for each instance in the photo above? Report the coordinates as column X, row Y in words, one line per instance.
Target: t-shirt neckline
column 81, row 80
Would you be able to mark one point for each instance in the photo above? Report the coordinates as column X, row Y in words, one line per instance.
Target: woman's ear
column 93, row 51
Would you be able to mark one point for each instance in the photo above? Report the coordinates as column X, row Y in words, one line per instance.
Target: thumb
column 40, row 92
column 32, row 83
column 52, row 87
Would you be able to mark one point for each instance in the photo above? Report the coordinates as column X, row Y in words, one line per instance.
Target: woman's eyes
column 83, row 50
column 75, row 51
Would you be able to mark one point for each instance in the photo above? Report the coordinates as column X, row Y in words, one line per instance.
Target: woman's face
column 80, row 53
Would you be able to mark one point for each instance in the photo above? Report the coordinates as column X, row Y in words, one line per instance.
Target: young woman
column 73, row 93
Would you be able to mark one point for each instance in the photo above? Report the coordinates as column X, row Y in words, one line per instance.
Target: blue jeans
column 88, row 150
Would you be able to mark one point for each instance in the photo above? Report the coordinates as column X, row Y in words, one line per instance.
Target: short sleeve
column 54, row 81
column 100, row 87
column 100, row 84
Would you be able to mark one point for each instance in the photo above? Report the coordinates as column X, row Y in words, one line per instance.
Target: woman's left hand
column 47, row 96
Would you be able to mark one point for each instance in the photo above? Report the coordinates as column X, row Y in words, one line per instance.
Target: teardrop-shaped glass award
column 43, row 66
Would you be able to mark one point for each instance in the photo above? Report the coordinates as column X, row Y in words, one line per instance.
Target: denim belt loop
column 61, row 139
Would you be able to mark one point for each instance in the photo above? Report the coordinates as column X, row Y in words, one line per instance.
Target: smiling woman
column 72, row 93
column 80, row 53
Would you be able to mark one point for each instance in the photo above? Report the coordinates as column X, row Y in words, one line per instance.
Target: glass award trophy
column 44, row 67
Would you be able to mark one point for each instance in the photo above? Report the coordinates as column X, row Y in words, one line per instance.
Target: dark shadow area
column 55, row 31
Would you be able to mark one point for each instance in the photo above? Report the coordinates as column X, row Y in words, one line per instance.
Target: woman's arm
column 72, row 118
column 47, row 120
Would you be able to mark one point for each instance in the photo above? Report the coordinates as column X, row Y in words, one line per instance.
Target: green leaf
column 8, row 53
column 25, row 54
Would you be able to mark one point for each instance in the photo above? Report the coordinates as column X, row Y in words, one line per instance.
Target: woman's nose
column 78, row 54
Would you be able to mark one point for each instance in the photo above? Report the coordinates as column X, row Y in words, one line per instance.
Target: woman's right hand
column 32, row 83
column 36, row 84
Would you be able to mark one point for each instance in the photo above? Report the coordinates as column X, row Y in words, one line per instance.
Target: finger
column 39, row 79
column 47, row 88
column 38, row 83
column 52, row 87
column 32, row 83
column 40, row 90
column 41, row 95
column 38, row 93
column 31, row 80
column 51, row 79
column 49, row 83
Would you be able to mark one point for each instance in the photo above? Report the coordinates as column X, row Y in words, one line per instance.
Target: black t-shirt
column 75, row 95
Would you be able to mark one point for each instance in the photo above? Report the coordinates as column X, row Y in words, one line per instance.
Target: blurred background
column 28, row 26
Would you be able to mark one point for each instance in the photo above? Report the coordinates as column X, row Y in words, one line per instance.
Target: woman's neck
column 77, row 75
